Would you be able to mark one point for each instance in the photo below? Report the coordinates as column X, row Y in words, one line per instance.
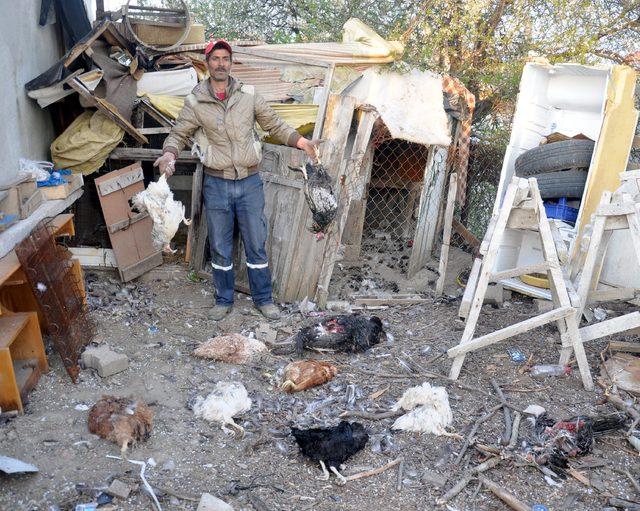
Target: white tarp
column 410, row 104
column 178, row 82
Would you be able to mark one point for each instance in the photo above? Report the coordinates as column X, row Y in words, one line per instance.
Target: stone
column 104, row 360
column 118, row 489
column 543, row 305
column 494, row 294
column 431, row 477
column 265, row 333
column 210, row 503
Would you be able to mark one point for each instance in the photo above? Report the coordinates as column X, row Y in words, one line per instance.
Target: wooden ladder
column 522, row 208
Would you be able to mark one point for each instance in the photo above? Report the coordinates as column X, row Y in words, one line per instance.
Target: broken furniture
column 22, row 357
column 129, row 231
column 52, row 275
column 522, row 208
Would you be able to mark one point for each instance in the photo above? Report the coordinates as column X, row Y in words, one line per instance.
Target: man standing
column 222, row 112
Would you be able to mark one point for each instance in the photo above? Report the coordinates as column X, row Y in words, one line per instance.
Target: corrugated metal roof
column 266, row 80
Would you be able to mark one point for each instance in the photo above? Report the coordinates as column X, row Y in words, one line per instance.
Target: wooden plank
column 611, row 326
column 568, row 327
column 121, row 181
column 627, row 347
column 305, row 259
column 485, row 272
column 140, row 267
column 430, row 200
column 322, row 110
column 613, row 294
column 352, row 177
column 146, row 154
column 525, row 289
column 107, row 109
column 561, row 246
column 272, row 55
column 633, row 219
column 467, row 297
column 80, row 48
column 446, row 233
column 616, row 223
column 516, row 272
column 466, row 234
column 525, row 219
column 128, row 222
column 615, row 209
column 196, row 211
column 155, row 131
column 510, row 331
column 94, row 257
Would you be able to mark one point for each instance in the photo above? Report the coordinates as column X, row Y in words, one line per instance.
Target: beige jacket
column 224, row 133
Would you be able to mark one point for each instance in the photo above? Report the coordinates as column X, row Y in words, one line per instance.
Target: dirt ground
column 157, row 324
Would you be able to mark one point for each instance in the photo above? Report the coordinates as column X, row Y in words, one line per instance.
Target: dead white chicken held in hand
column 319, row 195
column 223, row 404
column 164, row 210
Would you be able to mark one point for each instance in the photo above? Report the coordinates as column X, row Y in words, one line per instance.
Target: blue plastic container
column 561, row 211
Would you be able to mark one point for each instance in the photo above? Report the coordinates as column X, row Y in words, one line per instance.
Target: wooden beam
column 467, row 297
column 510, row 331
column 146, row 154
column 612, row 326
column 80, row 48
column 155, row 131
column 446, row 233
column 628, row 347
column 272, row 55
column 615, row 293
column 107, row 109
column 516, row 272
column 322, row 109
column 466, row 234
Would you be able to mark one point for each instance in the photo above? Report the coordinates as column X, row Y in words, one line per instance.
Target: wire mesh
column 48, row 268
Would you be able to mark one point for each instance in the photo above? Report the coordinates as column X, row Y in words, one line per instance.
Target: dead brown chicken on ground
column 121, row 420
column 304, row 374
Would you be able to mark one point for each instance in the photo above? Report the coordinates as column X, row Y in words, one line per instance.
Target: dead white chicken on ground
column 428, row 410
column 223, row 404
column 232, row 348
column 164, row 210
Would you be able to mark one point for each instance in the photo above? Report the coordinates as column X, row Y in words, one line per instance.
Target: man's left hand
column 311, row 147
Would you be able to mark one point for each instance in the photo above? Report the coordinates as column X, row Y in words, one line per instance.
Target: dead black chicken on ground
column 331, row 447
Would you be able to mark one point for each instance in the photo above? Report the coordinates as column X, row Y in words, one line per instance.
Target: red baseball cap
column 214, row 44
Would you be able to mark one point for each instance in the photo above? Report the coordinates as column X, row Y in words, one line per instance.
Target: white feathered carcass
column 164, row 210
column 226, row 401
column 428, row 410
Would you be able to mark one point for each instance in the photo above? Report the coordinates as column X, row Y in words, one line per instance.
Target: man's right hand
column 166, row 163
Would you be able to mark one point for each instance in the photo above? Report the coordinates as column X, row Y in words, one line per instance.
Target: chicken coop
column 388, row 138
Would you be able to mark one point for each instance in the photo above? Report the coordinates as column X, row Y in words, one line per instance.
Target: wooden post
column 446, row 233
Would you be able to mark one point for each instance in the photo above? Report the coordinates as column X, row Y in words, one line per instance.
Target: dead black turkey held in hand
column 319, row 194
column 346, row 332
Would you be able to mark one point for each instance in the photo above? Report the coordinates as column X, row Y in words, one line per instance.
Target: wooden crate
column 63, row 191
column 22, row 357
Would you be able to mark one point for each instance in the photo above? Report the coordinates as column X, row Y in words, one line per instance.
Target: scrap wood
column 628, row 505
column 504, row 495
column 467, row 477
column 168, row 491
column 629, row 347
column 391, row 414
column 474, row 429
column 400, row 473
column 375, row 471
column 514, row 431
column 621, row 405
column 378, row 393
column 506, row 435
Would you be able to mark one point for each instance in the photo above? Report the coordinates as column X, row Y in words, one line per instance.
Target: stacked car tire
column 559, row 167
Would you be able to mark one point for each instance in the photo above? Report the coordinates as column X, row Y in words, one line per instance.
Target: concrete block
column 118, row 489
column 543, row 305
column 210, row 503
column 104, row 360
column 494, row 294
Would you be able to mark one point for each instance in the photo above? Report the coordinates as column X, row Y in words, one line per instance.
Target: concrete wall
column 26, row 50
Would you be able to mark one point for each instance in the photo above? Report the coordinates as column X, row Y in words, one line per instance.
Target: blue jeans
column 227, row 201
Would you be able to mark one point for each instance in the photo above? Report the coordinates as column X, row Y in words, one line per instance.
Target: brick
column 494, row 294
column 104, row 360
column 118, row 489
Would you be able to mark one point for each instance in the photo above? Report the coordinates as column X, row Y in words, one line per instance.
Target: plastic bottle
column 542, row 371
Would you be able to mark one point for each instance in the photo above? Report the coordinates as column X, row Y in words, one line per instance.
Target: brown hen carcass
column 121, row 420
column 232, row 348
column 304, row 374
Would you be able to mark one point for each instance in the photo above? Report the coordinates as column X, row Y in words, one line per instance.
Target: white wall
column 26, row 50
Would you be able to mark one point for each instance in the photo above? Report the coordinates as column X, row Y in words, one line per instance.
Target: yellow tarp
column 612, row 150
column 86, row 143
column 300, row 116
